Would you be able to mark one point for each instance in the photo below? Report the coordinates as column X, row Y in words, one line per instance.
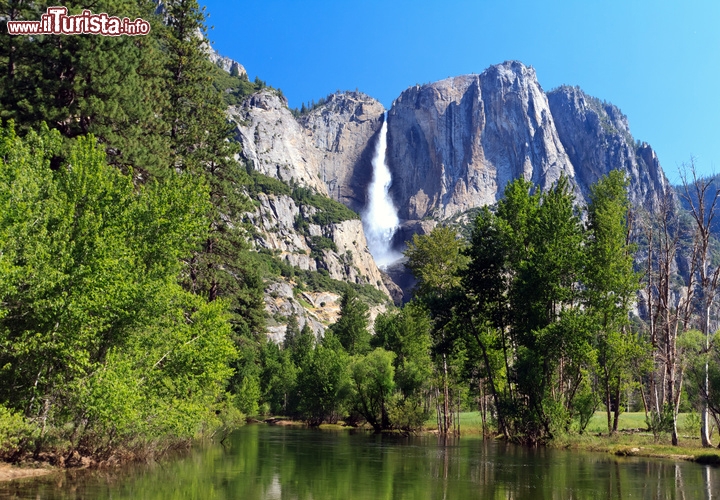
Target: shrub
column 14, row 430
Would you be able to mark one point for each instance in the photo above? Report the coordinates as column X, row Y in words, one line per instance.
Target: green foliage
column 105, row 278
column 260, row 183
column 279, row 374
column 611, row 284
column 545, row 303
column 111, row 87
column 324, row 384
column 94, row 325
column 436, row 260
column 14, row 431
column 351, row 329
column 306, row 108
column 319, row 243
column 407, row 334
column 373, row 381
column 328, row 211
column 234, row 88
column 662, row 423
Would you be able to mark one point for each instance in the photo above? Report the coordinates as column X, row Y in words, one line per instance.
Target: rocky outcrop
column 274, row 142
column 343, row 132
column 596, row 137
column 455, row 144
column 347, row 259
column 227, row 64
column 328, row 149
column 317, row 310
column 338, row 250
column 320, row 309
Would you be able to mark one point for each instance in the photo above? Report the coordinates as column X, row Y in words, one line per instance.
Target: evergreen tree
column 351, row 329
column 112, row 87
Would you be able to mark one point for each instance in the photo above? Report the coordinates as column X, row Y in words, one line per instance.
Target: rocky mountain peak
column 597, row 138
column 510, row 73
column 341, row 131
column 455, row 144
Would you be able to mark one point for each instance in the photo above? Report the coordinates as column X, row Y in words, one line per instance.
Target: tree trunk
column 704, row 424
column 616, row 417
column 446, row 401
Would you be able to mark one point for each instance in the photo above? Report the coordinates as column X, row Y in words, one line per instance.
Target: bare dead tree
column 702, row 203
column 669, row 308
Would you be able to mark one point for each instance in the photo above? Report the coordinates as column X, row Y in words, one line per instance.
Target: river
column 269, row 463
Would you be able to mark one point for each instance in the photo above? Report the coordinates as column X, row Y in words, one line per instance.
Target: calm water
column 263, row 462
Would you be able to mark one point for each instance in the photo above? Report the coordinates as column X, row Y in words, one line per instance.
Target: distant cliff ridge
column 456, row 143
column 452, row 145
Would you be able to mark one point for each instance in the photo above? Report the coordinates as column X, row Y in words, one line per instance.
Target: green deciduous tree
column 611, row 285
column 324, row 383
column 407, row 334
column 91, row 301
column 373, row 382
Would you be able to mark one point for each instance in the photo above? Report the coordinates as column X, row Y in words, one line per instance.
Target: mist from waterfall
column 380, row 219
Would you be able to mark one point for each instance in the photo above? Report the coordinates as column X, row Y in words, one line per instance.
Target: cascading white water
column 380, row 219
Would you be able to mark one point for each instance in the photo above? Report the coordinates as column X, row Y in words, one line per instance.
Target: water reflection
column 273, row 463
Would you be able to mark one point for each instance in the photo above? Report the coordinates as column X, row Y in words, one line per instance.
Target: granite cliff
column 328, row 149
column 453, row 145
column 597, row 138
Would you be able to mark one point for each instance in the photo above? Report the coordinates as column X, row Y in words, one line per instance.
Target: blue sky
column 658, row 61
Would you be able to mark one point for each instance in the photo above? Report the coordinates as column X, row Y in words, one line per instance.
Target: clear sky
column 658, row 61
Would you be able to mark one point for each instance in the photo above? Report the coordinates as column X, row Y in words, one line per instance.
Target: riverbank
column 632, row 438
column 9, row 472
column 640, row 445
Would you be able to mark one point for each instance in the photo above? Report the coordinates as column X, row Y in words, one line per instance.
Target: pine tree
column 111, row 87
column 351, row 328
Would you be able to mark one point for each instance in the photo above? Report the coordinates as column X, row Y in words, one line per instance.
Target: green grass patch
column 470, row 422
column 632, row 421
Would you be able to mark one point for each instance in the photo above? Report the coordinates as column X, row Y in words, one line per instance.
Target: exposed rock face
column 343, row 132
column 325, row 150
column 454, row 144
column 275, row 219
column 228, row 65
column 274, row 142
column 328, row 149
column 280, row 302
column 596, row 137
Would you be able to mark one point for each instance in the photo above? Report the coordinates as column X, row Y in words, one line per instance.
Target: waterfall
column 380, row 219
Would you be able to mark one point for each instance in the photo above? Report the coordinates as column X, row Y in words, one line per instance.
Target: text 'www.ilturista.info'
column 56, row 21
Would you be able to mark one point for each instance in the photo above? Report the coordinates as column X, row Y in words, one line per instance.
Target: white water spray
column 380, row 219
